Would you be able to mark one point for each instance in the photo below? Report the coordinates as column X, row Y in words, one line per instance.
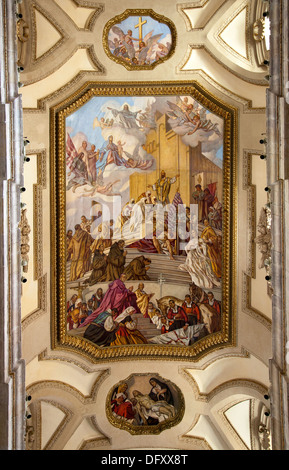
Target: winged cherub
column 191, row 118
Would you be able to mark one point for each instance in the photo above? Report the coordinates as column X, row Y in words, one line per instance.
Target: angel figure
column 146, row 118
column 135, row 157
column 125, row 42
column 191, row 119
column 120, row 146
column 101, row 123
column 162, row 50
column 114, row 45
column 146, row 48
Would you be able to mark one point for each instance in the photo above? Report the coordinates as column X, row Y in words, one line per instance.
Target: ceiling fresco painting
column 145, row 404
column 139, row 39
column 145, row 219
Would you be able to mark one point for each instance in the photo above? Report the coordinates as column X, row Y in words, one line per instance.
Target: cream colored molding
column 196, row 443
column 73, row 38
column 39, row 389
column 217, row 35
column 61, row 427
column 99, row 8
column 229, row 427
column 42, row 304
column 204, row 47
column 88, row 76
column 235, row 386
column 246, row 103
column 239, row 386
column 44, row 356
column 193, row 425
column 94, row 424
column 37, row 424
column 96, row 443
column 68, row 88
column 190, row 6
column 57, row 393
column 251, row 210
column 200, row 4
column 70, row 421
column 251, row 236
column 241, row 353
column 38, row 237
column 247, row 307
column 54, row 24
column 208, row 37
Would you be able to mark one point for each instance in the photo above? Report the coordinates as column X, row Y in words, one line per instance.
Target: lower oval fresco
column 145, row 404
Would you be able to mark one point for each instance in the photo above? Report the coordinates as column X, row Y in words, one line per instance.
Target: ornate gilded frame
column 139, row 12
column 61, row 340
column 145, row 430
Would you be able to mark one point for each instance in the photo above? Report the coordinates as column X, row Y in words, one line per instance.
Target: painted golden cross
column 140, row 25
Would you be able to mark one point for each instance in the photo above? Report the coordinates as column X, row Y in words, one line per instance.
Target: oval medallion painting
column 139, row 39
column 145, row 404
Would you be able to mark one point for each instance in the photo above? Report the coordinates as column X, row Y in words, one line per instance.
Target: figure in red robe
column 213, row 302
column 192, row 310
column 117, row 297
column 177, row 316
column 122, row 407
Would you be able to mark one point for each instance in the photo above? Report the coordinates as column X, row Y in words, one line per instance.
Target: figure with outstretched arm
column 126, row 117
column 163, row 186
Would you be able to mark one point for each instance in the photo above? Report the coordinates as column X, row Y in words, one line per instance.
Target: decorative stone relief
column 25, row 247
column 264, row 241
column 264, row 430
column 23, row 33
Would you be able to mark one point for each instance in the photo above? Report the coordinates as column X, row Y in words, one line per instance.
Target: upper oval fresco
column 139, row 39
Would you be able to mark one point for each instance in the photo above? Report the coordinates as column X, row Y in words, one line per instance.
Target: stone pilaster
column 278, row 180
column 12, row 371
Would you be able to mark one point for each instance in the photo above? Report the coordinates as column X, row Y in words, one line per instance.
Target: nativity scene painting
column 139, row 40
column 144, row 221
column 145, row 404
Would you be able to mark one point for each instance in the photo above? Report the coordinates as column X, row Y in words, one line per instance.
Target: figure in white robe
column 198, row 265
column 148, row 408
column 182, row 337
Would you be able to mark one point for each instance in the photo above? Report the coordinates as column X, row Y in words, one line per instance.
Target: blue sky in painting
column 82, row 119
column 151, row 25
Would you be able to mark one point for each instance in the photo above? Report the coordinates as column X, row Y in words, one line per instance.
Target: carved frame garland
column 61, row 340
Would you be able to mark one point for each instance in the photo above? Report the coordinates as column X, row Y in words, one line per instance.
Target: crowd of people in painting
column 110, row 318
column 144, row 408
column 105, row 257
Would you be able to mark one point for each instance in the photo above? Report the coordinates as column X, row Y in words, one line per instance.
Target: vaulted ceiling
column 221, row 45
